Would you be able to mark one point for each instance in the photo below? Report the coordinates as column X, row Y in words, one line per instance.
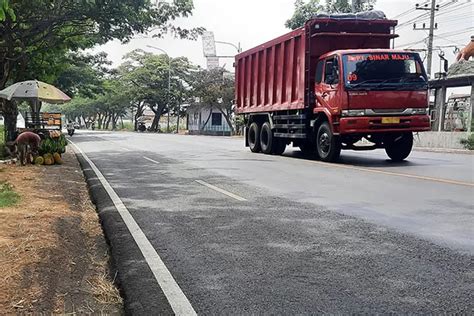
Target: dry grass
column 52, row 252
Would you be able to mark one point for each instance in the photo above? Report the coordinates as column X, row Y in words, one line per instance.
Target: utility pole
column 433, row 8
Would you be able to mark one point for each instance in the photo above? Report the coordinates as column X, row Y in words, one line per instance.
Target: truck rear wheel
column 266, row 139
column 328, row 145
column 399, row 147
column 253, row 137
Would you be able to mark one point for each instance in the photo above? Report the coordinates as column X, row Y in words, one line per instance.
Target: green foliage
column 8, row 196
column 468, row 143
column 338, row 6
column 45, row 31
column 303, row 12
column 83, row 73
column 6, row 11
column 306, row 10
column 144, row 78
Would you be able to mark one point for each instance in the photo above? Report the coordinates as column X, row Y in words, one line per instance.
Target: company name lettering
column 379, row 57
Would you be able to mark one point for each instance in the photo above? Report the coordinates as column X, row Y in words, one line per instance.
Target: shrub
column 468, row 143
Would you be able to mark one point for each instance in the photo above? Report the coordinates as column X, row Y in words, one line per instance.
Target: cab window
column 319, row 72
column 331, row 71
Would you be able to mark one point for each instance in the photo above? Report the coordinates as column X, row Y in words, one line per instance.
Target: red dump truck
column 328, row 85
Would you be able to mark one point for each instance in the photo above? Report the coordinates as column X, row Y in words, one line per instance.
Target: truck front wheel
column 327, row 144
column 398, row 147
column 253, row 137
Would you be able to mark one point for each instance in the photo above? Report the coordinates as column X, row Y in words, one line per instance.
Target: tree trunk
column 107, row 121
column 138, row 114
column 156, row 120
column 99, row 121
column 113, row 119
column 229, row 122
column 207, row 120
column 10, row 113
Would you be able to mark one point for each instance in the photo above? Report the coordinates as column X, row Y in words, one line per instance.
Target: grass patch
column 3, row 152
column 8, row 196
column 468, row 143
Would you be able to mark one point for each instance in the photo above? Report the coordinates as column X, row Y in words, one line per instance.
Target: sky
column 252, row 22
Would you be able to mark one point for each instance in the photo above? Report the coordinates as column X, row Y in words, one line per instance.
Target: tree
column 214, row 89
column 306, row 10
column 83, row 74
column 147, row 74
column 303, row 12
column 36, row 34
column 338, row 6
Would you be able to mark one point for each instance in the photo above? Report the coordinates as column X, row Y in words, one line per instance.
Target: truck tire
column 327, row 144
column 266, row 139
column 399, row 147
column 253, row 137
column 279, row 146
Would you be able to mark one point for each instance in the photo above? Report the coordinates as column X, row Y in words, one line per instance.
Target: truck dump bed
column 278, row 75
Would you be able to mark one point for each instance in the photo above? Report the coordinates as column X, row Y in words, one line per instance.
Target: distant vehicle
column 141, row 127
column 326, row 86
column 77, row 125
column 70, row 128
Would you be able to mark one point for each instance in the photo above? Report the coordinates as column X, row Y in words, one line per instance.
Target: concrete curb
column 445, row 150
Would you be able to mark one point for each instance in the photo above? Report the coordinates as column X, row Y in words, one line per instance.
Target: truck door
column 327, row 89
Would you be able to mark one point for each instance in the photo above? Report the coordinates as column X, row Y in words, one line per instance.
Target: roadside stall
column 46, row 125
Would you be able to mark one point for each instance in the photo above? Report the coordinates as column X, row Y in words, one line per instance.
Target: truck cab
column 377, row 94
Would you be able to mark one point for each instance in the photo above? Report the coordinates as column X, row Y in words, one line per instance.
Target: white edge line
column 175, row 296
column 232, row 195
column 149, row 159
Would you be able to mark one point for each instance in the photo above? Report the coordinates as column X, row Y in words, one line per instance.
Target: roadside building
column 204, row 121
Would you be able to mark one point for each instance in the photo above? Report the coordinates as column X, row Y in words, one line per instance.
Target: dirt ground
column 53, row 256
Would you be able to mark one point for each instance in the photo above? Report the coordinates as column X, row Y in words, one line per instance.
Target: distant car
column 76, row 125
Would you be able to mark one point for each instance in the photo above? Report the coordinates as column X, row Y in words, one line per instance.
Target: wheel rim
column 324, row 143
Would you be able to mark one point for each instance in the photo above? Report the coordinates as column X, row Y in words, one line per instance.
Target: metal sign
column 208, row 44
column 212, row 62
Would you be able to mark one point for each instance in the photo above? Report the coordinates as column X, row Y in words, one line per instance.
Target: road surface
column 250, row 233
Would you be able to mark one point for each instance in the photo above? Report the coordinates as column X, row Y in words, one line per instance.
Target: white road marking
column 178, row 301
column 149, row 159
column 232, row 195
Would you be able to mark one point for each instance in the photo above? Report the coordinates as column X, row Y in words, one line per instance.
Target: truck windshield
column 384, row 71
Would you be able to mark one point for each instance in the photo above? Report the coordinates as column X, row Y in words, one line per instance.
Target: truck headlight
column 419, row 111
column 353, row 113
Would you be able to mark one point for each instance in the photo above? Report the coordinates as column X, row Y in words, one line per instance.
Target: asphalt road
column 250, row 233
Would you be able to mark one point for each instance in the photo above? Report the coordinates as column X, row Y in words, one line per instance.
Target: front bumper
column 373, row 124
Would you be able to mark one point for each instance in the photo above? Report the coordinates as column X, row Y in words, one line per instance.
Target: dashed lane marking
column 175, row 296
column 149, row 159
column 213, row 187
